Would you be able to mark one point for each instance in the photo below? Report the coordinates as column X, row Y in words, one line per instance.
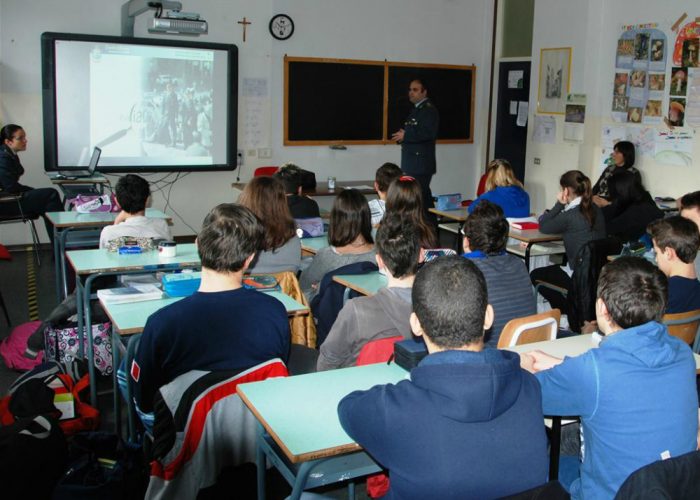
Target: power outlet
column 264, row 153
column 536, row 161
column 239, row 158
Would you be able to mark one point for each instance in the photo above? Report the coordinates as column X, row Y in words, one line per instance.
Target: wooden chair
column 683, row 325
column 535, row 328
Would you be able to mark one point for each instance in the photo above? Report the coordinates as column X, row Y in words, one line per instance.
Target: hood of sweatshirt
column 395, row 302
column 471, row 386
column 649, row 343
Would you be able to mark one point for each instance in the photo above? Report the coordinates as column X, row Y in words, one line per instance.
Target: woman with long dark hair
column 265, row 197
column 404, row 197
column 629, row 215
column 33, row 202
column 623, row 157
column 350, row 238
column 579, row 221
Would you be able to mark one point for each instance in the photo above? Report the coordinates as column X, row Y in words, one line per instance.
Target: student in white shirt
column 133, row 195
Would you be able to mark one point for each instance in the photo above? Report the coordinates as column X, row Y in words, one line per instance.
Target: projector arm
column 133, row 8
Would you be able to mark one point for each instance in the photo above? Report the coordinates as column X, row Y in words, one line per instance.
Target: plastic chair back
column 683, row 325
column 535, row 328
column 265, row 171
column 377, row 351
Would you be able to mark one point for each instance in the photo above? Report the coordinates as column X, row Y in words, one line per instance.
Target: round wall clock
column 281, row 26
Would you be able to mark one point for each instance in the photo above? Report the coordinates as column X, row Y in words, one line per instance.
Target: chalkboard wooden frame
column 389, row 113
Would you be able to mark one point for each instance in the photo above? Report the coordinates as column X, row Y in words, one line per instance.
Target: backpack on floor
column 13, row 346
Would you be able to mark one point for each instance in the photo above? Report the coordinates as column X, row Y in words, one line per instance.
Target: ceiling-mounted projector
column 178, row 25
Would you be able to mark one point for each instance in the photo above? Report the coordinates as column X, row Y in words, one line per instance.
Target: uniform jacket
column 420, row 133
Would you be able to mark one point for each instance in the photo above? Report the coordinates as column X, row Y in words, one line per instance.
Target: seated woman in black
column 629, row 215
column 622, row 161
column 34, row 202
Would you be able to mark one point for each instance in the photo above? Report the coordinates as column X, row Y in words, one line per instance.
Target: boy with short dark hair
column 509, row 287
column 384, row 176
column 468, row 423
column 689, row 206
column 676, row 241
column 133, row 195
column 301, row 207
column 635, row 393
column 223, row 326
column 384, row 314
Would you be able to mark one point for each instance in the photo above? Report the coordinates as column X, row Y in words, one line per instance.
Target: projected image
column 166, row 112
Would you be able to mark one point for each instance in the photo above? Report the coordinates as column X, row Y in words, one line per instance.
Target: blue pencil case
column 181, row 284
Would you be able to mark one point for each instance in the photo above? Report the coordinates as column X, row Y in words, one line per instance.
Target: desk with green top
column 366, row 284
column 311, row 246
column 300, row 432
column 90, row 264
column 89, row 227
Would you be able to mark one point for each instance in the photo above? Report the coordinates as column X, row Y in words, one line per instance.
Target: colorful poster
column 640, row 62
column 685, row 51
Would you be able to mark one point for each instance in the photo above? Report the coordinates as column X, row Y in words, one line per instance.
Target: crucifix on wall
column 245, row 24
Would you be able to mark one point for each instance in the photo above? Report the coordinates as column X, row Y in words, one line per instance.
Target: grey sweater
column 362, row 320
column 285, row 258
column 326, row 260
column 573, row 227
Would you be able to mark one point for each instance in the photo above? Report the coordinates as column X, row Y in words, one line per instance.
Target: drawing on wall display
column 555, row 73
column 684, row 100
column 640, row 67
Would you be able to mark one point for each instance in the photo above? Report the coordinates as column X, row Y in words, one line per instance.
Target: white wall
column 592, row 28
column 440, row 31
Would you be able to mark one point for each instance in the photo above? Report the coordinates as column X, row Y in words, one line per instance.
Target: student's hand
column 589, row 327
column 543, row 361
column 601, row 202
column 523, row 244
column 121, row 217
column 561, row 197
column 527, row 362
column 397, row 136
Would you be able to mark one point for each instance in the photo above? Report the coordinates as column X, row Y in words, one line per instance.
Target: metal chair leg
column 4, row 309
column 35, row 239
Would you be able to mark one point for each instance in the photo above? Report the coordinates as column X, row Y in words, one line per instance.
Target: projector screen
column 150, row 105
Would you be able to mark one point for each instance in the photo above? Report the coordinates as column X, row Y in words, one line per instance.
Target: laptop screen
column 93, row 161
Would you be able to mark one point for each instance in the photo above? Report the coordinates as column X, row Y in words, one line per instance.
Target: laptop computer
column 77, row 174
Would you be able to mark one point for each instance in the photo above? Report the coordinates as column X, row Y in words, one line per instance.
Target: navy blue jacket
column 10, row 172
column 467, row 425
column 420, row 133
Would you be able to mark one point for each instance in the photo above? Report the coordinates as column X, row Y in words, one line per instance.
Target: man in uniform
column 417, row 139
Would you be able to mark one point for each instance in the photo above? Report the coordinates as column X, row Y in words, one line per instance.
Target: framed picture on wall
column 555, row 73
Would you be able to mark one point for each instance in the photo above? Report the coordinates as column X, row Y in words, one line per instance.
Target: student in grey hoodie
column 385, row 314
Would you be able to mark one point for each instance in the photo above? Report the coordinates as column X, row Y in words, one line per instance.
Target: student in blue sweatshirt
column 635, row 393
column 505, row 190
column 468, row 423
column 676, row 241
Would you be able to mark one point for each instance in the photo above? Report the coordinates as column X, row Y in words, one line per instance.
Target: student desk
column 311, row 246
column 321, row 189
column 89, row 264
column 300, row 432
column 88, row 226
column 130, row 318
column 571, row 346
column 531, row 237
column 366, row 284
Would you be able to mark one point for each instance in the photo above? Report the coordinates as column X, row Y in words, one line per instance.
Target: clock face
column 281, row 26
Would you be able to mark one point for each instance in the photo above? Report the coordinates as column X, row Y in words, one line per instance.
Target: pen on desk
column 391, row 358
